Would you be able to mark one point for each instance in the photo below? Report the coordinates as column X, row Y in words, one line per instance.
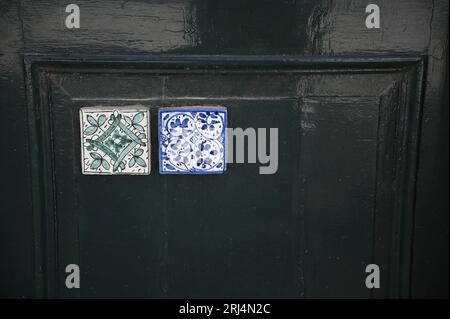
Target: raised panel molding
column 393, row 82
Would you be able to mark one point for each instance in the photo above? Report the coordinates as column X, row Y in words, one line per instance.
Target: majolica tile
column 192, row 140
column 115, row 140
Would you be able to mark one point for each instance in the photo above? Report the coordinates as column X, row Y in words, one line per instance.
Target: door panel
column 141, row 52
column 340, row 199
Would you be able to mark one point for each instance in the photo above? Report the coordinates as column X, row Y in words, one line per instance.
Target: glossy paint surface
column 304, row 236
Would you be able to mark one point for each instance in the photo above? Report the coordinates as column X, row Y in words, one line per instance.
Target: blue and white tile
column 115, row 140
column 192, row 140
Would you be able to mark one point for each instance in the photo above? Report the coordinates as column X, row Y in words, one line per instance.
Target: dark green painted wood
column 431, row 235
column 299, row 233
column 16, row 220
column 159, row 230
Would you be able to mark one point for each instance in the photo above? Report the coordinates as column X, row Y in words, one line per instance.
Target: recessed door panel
column 343, row 187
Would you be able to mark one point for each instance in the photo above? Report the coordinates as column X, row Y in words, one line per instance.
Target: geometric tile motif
column 192, row 140
column 115, row 140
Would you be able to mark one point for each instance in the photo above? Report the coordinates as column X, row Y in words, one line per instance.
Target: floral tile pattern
column 192, row 140
column 115, row 140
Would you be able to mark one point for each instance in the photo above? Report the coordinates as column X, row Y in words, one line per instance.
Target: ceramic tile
column 192, row 140
column 115, row 140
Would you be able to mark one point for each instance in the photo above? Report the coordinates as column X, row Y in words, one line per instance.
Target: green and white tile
column 115, row 140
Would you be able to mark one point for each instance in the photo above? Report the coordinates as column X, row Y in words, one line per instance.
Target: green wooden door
column 349, row 105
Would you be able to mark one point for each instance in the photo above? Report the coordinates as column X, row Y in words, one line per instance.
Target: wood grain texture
column 230, row 27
